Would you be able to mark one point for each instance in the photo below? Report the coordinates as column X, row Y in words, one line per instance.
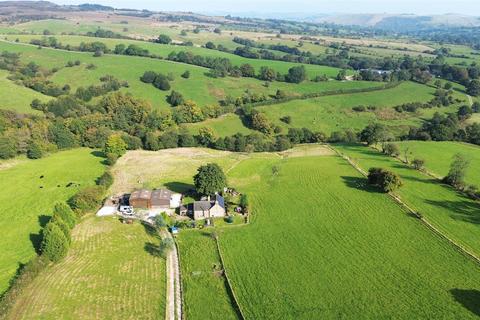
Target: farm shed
column 141, row 199
column 161, row 198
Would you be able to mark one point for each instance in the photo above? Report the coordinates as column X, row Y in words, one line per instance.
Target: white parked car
column 126, row 210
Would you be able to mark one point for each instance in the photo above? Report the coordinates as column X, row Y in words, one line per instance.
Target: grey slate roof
column 202, row 205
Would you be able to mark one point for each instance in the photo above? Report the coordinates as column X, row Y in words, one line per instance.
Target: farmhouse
column 209, row 208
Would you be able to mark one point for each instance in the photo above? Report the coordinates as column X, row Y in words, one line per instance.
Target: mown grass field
column 452, row 213
column 204, row 286
column 438, row 156
column 17, row 97
column 26, row 200
column 323, row 245
column 332, row 113
column 109, row 273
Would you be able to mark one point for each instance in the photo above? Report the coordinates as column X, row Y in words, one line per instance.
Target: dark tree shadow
column 181, row 187
column 152, row 249
column 43, row 220
column 99, row 154
column 36, row 240
column 423, row 180
column 360, row 184
column 463, row 210
column 150, row 230
column 468, row 298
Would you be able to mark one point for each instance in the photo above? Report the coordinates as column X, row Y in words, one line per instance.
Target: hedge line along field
column 20, row 101
column 111, row 272
column 30, row 189
column 438, row 156
column 203, row 278
column 225, row 125
column 452, row 213
column 324, row 245
column 332, row 113
column 199, row 87
column 164, row 50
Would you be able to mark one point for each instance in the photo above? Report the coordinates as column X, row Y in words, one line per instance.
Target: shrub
column 87, row 199
column 34, row 150
column 286, row 119
column 161, row 82
column 418, row 164
column 54, row 243
column 62, row 211
column 64, row 227
column 175, row 98
column 386, row 180
column 244, row 201
column 105, row 180
column 391, row 149
column 8, row 149
column 229, row 219
column 186, row 74
column 148, row 77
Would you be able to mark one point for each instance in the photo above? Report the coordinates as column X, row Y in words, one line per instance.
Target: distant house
column 209, row 208
column 156, row 199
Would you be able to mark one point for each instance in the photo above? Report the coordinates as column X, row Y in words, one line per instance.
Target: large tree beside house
column 210, row 179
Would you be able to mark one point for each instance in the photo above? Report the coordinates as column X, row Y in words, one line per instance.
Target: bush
column 62, row 211
column 229, row 219
column 54, row 243
column 386, row 180
column 8, row 149
column 87, row 199
column 391, row 149
column 105, row 180
column 64, row 227
column 161, row 82
column 186, row 74
column 418, row 164
column 286, row 119
column 148, row 77
column 34, row 150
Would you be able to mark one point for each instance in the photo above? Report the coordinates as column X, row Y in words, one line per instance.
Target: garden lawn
column 204, row 286
column 438, row 156
column 109, row 273
column 27, row 199
column 452, row 213
column 323, row 245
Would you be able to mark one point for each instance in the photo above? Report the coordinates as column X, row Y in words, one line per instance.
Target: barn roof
column 162, row 194
column 141, row 194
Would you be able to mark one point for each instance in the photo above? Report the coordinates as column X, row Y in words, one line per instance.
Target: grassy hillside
column 333, row 113
column 439, row 155
column 16, row 97
column 199, row 87
column 108, row 273
column 27, row 199
column 337, row 249
column 454, row 214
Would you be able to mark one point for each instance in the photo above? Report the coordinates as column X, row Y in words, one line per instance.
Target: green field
column 226, row 125
column 332, row 113
column 108, row 273
column 16, row 97
column 438, row 156
column 321, row 243
column 202, row 278
column 452, row 213
column 164, row 50
column 199, row 87
column 27, row 199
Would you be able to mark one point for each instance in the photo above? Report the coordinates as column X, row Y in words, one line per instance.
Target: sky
column 469, row 7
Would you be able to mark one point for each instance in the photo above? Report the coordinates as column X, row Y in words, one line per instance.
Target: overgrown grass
column 30, row 189
column 111, row 271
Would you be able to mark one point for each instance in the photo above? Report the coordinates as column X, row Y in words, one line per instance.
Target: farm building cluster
column 147, row 203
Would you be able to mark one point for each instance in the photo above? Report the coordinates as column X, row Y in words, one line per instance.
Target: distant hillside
column 399, row 22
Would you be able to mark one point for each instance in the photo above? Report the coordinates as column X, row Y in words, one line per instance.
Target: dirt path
column 173, row 308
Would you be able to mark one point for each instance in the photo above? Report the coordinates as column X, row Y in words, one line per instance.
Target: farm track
column 424, row 221
column 174, row 293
